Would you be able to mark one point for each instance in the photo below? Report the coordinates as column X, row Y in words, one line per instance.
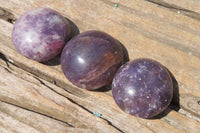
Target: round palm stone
column 143, row 88
column 40, row 34
column 91, row 59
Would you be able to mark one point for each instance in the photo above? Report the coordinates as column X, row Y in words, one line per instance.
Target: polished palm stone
column 40, row 34
column 91, row 59
column 143, row 88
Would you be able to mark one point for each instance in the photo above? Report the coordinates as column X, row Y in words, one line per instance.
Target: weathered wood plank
column 183, row 6
column 34, row 120
column 15, row 126
column 191, row 103
column 43, row 100
column 184, row 72
column 153, row 30
column 105, row 104
column 141, row 26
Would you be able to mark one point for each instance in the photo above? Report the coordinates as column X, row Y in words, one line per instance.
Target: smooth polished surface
column 91, row 59
column 142, row 88
column 40, row 34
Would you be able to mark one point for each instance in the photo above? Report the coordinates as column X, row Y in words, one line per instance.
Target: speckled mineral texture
column 91, row 59
column 142, row 88
column 40, row 34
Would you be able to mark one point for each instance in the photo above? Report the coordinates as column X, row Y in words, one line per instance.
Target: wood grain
column 103, row 103
column 192, row 6
column 142, row 30
column 43, row 100
column 32, row 120
column 145, row 28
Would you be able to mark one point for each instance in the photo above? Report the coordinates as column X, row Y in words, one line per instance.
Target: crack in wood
column 52, row 88
column 3, row 57
column 48, row 86
column 71, row 100
column 152, row 35
column 110, row 123
column 37, row 113
column 6, row 69
column 171, row 7
column 7, row 16
column 47, row 75
column 177, row 9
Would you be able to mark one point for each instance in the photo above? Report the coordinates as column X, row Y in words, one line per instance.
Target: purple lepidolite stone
column 40, row 34
column 143, row 88
column 91, row 59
